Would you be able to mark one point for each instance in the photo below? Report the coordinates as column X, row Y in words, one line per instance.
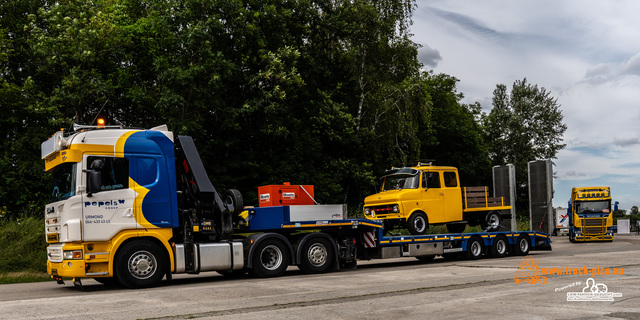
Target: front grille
column 592, row 230
column 593, row 222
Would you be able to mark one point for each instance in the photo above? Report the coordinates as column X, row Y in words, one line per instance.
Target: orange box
column 285, row 195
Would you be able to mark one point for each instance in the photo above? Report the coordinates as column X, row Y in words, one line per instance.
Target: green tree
column 320, row 92
column 524, row 125
column 453, row 136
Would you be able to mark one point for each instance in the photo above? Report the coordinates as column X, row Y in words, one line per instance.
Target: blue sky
column 586, row 53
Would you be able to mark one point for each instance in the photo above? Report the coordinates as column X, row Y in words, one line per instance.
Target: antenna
column 98, row 114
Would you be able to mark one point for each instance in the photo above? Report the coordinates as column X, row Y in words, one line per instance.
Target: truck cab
column 590, row 215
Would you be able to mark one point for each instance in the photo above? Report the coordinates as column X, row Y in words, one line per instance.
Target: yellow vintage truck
column 414, row 197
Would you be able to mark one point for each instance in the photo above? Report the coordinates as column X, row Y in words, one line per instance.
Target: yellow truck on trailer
column 425, row 194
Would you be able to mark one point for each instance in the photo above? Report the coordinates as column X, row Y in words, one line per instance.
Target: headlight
column 396, row 209
column 73, row 255
column 366, row 211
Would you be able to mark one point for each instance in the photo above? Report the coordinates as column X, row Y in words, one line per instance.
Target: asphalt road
column 389, row 289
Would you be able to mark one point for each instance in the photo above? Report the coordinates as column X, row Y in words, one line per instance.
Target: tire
column 491, row 222
column 522, row 246
column 417, row 223
column 456, row 227
column 233, row 197
column 426, row 258
column 316, row 255
column 270, row 259
column 140, row 264
column 475, row 248
column 500, row 247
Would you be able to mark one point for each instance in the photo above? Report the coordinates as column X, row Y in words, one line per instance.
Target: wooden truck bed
column 477, row 199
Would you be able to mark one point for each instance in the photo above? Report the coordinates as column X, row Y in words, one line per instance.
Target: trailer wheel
column 500, row 246
column 523, row 245
column 417, row 223
column 316, row 255
column 491, row 222
column 475, row 248
column 270, row 259
column 140, row 264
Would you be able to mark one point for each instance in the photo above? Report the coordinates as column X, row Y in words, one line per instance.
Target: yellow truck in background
column 415, row 197
column 590, row 214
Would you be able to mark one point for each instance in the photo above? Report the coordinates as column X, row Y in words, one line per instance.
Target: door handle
column 128, row 213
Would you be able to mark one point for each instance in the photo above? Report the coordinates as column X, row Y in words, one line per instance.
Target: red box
column 285, row 195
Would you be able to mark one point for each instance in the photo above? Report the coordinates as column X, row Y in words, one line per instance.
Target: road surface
column 390, row 289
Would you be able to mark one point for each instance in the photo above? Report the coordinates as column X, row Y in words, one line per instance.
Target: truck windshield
column 593, row 207
column 64, row 182
column 400, row 181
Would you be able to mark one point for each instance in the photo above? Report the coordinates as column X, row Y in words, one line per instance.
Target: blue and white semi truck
column 136, row 206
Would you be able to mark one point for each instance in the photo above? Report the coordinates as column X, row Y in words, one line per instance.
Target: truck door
column 110, row 210
column 433, row 199
column 153, row 207
column 452, row 195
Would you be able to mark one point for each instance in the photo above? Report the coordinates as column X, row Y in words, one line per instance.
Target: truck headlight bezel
column 72, row 255
column 395, row 208
column 367, row 211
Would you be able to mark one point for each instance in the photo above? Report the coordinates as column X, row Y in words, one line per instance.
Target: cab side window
column 430, row 179
column 450, row 180
column 114, row 172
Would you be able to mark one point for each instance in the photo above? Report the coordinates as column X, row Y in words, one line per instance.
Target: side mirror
column 94, row 177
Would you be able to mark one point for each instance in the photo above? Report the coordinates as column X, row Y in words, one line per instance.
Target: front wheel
column 316, row 255
column 417, row 223
column 270, row 259
column 140, row 264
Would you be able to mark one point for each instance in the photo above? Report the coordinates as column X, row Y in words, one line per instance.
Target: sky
column 585, row 53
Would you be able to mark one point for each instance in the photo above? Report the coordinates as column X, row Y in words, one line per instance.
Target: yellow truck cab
column 425, row 194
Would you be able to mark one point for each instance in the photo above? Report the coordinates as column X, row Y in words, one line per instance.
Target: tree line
column 322, row 92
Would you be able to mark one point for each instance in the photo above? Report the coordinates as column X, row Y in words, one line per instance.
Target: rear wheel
column 523, row 245
column 270, row 259
column 491, row 222
column 475, row 248
column 417, row 223
column 500, row 247
column 140, row 264
column 316, row 255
